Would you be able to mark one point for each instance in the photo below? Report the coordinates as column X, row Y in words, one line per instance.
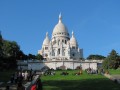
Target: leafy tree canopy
column 9, row 53
column 1, row 44
column 31, row 56
column 10, row 48
column 39, row 57
column 95, row 57
column 112, row 61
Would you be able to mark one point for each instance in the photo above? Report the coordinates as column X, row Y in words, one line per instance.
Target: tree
column 39, row 57
column 31, row 56
column 95, row 57
column 112, row 60
column 9, row 54
column 21, row 56
column 1, row 45
column 10, row 48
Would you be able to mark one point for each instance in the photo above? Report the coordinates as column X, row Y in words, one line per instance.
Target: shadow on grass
column 85, row 84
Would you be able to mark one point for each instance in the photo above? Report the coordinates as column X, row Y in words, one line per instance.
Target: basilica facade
column 61, row 46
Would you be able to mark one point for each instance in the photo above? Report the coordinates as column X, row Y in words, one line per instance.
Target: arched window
column 73, row 47
column 64, row 52
column 65, row 42
column 53, row 52
column 58, row 42
column 73, row 54
column 58, row 51
column 46, row 48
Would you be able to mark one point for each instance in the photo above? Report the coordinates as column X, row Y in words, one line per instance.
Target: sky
column 96, row 23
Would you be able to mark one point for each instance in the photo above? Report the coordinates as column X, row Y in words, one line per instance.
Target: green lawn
column 74, row 82
column 113, row 72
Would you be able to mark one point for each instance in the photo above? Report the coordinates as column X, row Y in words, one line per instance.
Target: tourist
column 97, row 71
column 16, row 77
column 28, row 76
column 31, row 76
column 12, row 78
column 31, row 71
column 25, row 75
column 20, row 77
column 20, row 86
column 34, row 87
column 7, row 87
column 39, row 84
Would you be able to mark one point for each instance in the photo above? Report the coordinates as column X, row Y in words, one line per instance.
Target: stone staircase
column 14, row 86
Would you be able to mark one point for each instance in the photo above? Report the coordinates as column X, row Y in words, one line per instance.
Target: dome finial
column 46, row 34
column 60, row 17
column 72, row 34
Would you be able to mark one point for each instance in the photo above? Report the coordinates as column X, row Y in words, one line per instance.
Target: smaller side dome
column 46, row 40
column 73, row 41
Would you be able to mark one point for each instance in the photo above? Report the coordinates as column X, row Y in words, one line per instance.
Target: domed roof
column 60, row 28
column 46, row 40
column 73, row 41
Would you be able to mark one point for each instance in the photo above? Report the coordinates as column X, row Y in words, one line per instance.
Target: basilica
column 61, row 51
column 61, row 46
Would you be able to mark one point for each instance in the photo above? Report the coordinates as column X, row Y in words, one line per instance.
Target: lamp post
column 80, row 64
column 89, row 64
column 55, row 64
column 73, row 65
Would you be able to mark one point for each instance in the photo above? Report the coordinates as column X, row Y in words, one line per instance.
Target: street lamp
column 80, row 64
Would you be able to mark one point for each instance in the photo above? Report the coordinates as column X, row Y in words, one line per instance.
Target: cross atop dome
column 60, row 17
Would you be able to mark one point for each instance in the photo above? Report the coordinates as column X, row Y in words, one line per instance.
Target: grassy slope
column 113, row 72
column 82, row 82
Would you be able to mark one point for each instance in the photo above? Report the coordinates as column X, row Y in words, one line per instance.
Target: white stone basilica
column 60, row 52
column 61, row 46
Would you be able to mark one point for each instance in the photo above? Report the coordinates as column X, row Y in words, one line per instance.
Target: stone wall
column 38, row 65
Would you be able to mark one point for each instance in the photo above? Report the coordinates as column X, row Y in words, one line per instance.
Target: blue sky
column 96, row 23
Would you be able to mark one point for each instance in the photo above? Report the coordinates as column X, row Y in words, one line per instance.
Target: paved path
column 116, row 76
column 1, row 83
column 113, row 77
column 12, row 87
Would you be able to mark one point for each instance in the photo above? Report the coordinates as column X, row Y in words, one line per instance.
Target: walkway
column 115, row 78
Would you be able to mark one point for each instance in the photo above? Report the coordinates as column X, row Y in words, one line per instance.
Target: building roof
column 46, row 40
column 73, row 40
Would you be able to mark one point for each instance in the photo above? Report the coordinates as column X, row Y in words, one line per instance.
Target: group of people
column 19, row 76
column 64, row 73
column 37, row 85
column 79, row 72
column 91, row 71
column 49, row 72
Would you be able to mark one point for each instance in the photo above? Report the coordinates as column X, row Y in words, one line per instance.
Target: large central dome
column 60, row 29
